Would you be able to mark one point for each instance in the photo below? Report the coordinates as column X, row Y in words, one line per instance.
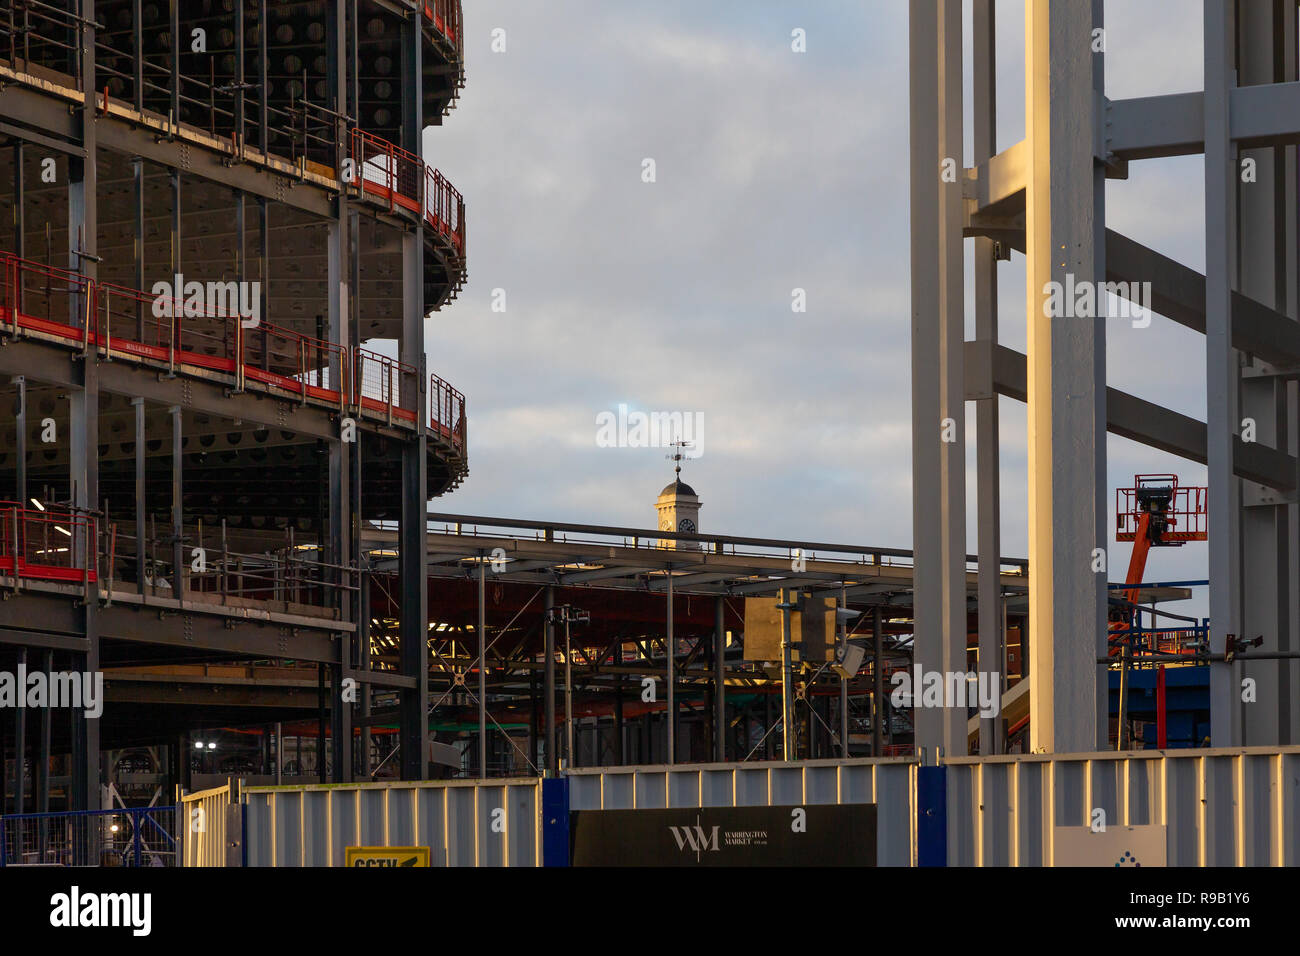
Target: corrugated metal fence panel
column 462, row 822
column 888, row 783
column 1219, row 807
column 201, row 818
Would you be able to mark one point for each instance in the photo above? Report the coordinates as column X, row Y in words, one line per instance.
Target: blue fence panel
column 138, row 836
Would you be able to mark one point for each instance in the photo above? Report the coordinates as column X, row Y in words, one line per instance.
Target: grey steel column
column 1266, row 267
column 177, row 46
column 83, row 407
column 670, row 724
column 341, row 519
column 41, row 781
column 137, row 47
column 1066, row 380
column 415, row 494
column 619, row 731
column 20, row 441
column 482, row 667
column 20, row 749
column 138, row 404
column 552, row 764
column 938, row 397
column 1221, row 377
column 178, row 510
column 878, row 704
column 137, row 197
column 568, row 695
column 263, row 87
column 988, row 490
column 844, row 681
column 20, row 221
column 788, row 732
column 719, row 679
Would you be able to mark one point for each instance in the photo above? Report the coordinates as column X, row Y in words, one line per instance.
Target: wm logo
column 696, row 838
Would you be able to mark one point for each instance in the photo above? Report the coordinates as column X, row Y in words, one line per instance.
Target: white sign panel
column 1113, row 846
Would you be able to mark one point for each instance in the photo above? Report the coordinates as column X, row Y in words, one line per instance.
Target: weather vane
column 679, row 454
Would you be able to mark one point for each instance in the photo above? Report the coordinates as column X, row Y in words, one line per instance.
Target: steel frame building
column 188, row 481
column 1044, row 197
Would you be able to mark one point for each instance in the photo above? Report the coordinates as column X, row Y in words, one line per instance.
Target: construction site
column 227, row 476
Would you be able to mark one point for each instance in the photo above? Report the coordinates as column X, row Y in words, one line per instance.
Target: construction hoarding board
column 815, row 835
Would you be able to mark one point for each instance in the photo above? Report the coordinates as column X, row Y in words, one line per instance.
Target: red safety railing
column 384, row 385
column 123, row 323
column 47, row 298
column 393, row 174
column 169, row 329
column 446, row 411
column 444, row 207
column 50, row 545
column 297, row 363
column 445, row 15
column 1187, row 515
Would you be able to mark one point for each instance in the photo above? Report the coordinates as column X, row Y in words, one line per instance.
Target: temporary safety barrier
column 209, row 821
column 1180, row 808
column 463, row 823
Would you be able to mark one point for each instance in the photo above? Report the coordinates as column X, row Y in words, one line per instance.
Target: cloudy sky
column 775, row 170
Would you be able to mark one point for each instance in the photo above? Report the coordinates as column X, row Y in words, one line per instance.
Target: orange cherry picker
column 1154, row 513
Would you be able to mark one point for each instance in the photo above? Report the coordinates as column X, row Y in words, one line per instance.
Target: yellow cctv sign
column 387, row 856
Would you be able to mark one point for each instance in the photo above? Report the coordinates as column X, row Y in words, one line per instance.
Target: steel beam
column 1145, row 422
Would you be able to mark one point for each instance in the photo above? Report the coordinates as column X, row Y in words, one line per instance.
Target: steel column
column 719, row 678
column 138, row 404
column 670, row 723
column 988, row 489
column 414, row 557
column 878, row 704
column 1067, row 375
column 1221, row 379
column 1266, row 251
column 20, row 746
column 41, row 766
column 938, row 396
column 789, row 734
column 482, row 667
column 178, row 507
column 83, row 407
column 548, row 688
column 20, row 442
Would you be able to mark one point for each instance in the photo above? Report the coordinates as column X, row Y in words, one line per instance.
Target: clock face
column 687, row 526
column 666, row 525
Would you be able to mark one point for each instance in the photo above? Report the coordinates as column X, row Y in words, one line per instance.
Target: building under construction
column 228, row 249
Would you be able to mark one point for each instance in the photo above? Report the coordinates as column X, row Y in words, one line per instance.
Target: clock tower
column 678, row 509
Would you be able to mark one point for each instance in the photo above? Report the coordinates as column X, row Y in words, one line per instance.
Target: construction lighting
column 63, row 531
column 198, row 745
column 38, row 504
